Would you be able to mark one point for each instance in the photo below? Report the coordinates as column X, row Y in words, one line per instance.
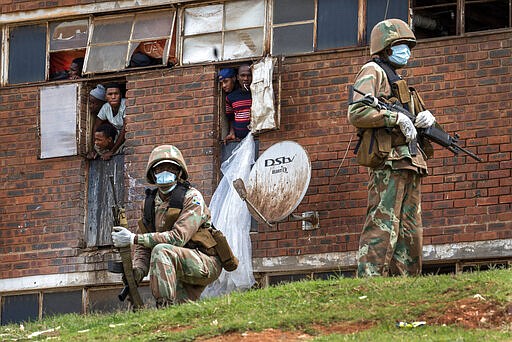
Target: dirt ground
column 469, row 313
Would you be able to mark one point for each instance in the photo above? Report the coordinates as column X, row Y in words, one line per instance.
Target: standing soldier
column 174, row 240
column 391, row 240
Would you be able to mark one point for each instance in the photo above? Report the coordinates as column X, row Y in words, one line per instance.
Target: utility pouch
column 228, row 260
column 373, row 147
column 401, row 90
column 204, row 241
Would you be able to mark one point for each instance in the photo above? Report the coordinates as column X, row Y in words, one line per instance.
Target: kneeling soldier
column 175, row 241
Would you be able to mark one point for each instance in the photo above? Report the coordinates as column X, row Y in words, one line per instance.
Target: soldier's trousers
column 392, row 238
column 180, row 274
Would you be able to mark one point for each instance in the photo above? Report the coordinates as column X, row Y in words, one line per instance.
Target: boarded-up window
column 101, row 198
column 58, row 120
column 223, row 31
column 27, row 54
column 115, row 40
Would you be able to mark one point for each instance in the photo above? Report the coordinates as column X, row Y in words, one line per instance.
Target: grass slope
column 467, row 307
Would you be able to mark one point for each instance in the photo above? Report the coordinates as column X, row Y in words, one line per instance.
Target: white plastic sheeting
column 231, row 216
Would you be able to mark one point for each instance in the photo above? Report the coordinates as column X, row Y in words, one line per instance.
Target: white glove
column 122, row 237
column 406, row 127
column 424, row 119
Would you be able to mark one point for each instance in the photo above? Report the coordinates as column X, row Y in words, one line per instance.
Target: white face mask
column 401, row 54
column 165, row 178
column 166, row 181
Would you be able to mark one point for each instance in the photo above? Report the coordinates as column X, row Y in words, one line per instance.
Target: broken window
column 223, row 31
column 68, row 40
column 437, row 18
column 136, row 40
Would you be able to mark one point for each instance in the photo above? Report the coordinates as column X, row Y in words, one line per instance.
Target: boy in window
column 113, row 112
column 75, row 69
column 104, row 138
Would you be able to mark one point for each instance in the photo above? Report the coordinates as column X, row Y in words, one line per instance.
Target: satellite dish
column 277, row 182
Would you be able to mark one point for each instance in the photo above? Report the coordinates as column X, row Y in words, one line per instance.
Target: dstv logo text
column 278, row 161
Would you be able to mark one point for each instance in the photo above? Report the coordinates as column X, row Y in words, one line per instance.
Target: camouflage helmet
column 165, row 152
column 389, row 31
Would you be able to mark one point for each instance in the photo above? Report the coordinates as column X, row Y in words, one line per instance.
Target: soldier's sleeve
column 371, row 80
column 192, row 216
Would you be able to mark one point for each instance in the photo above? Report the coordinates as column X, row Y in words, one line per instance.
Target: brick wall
column 41, row 210
column 465, row 81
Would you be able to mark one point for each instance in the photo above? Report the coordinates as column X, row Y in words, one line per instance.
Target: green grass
column 303, row 307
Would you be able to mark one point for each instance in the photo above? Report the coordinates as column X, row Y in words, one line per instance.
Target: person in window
column 113, row 112
column 168, row 239
column 75, row 69
column 238, row 106
column 96, row 99
column 227, row 79
column 391, row 240
column 104, row 138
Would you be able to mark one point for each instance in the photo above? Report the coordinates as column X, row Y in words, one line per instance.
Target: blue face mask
column 165, row 178
column 401, row 54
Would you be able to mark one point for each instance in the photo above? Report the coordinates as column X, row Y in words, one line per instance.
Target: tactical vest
column 207, row 239
column 375, row 144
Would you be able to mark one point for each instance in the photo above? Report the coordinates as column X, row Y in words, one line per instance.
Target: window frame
column 223, row 32
column 167, row 49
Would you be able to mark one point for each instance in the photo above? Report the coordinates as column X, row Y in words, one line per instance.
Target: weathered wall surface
column 466, row 82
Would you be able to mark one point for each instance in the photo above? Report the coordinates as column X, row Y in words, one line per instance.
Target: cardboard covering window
column 58, row 120
column 264, row 116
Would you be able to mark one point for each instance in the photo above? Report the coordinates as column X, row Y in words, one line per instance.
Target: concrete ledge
column 432, row 254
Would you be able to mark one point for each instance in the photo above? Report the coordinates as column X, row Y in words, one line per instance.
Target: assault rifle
column 125, row 266
column 434, row 133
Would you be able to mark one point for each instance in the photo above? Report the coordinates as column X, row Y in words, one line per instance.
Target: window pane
column 376, row 12
column 243, row 43
column 68, row 34
column 107, row 58
column 112, row 30
column 201, row 48
column 478, row 16
column 434, row 18
column 27, row 54
column 286, row 11
column 337, row 23
column 203, row 19
column 152, row 25
column 242, row 14
column 292, row 39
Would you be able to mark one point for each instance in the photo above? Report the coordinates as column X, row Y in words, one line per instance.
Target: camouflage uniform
column 177, row 273
column 391, row 240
